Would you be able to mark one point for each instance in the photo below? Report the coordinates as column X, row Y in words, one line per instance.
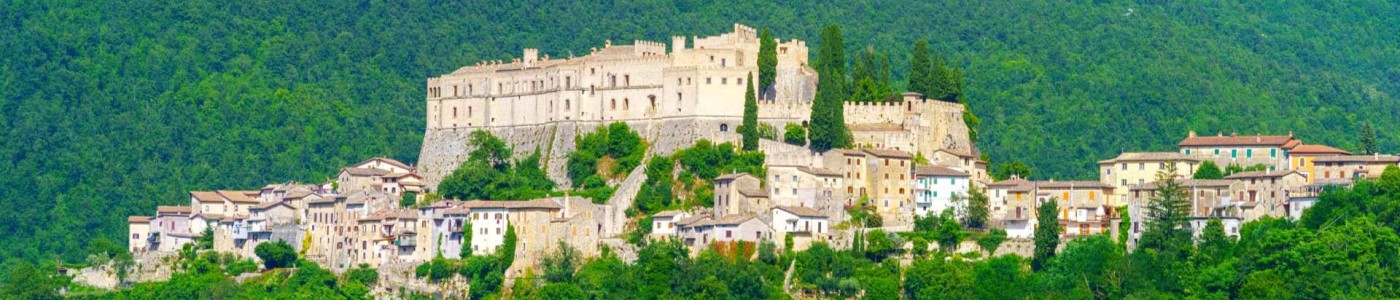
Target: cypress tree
column 828, row 123
column 938, row 79
column 750, row 127
column 919, row 69
column 1368, row 139
column 767, row 59
column 1047, row 234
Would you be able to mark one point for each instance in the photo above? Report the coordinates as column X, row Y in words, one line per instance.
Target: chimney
column 677, row 43
column 1191, row 133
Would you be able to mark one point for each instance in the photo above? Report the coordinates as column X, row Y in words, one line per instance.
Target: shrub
column 276, row 254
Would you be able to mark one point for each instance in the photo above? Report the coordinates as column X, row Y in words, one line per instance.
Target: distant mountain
column 111, row 107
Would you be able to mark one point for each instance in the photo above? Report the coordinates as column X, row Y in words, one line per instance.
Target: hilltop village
column 911, row 159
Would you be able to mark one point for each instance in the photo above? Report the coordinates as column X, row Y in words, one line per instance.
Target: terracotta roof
column 1359, row 158
column 365, row 172
column 364, row 196
column 138, row 219
column 732, row 176
column 1284, row 141
column 172, row 209
column 1152, row 156
column 208, row 216
column 322, row 200
column 958, row 152
column 387, row 160
column 754, row 192
column 1317, row 149
column 1188, row 183
column 891, row 153
column 937, row 171
column 1014, row 185
column 237, row 196
column 1071, row 184
column 801, row 211
column 1259, row 174
column 666, row 213
column 265, row 206
column 206, row 196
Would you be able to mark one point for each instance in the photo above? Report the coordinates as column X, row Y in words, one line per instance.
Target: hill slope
column 111, row 108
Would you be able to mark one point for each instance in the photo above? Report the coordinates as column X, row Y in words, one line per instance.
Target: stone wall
column 444, row 149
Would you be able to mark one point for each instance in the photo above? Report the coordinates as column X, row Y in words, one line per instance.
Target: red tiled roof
column 172, row 209
column 1317, row 149
column 1359, row 158
column 237, row 196
column 206, row 196
column 138, row 219
column 1284, row 141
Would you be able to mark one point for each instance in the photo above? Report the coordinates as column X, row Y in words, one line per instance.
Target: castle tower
column 677, row 43
column 531, row 56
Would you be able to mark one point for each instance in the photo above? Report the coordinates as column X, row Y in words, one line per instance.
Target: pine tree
column 1047, row 233
column 1168, row 212
column 828, row 123
column 750, row 127
column 1368, row 140
column 767, row 59
column 919, row 69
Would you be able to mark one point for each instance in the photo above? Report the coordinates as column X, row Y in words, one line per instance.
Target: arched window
column 626, row 104
column 723, row 127
column 653, row 102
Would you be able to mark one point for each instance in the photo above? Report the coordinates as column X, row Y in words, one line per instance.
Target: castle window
column 469, row 111
column 568, row 82
column 592, row 71
column 454, row 112
column 613, row 80
column 566, row 104
column 724, row 80
column 626, row 104
column 723, row 62
column 627, row 80
column 740, row 80
column 679, row 98
column 653, row 102
column 613, row 104
column 454, row 91
column 723, row 127
column 707, row 80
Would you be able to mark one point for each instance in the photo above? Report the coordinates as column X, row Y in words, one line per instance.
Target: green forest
column 108, row 108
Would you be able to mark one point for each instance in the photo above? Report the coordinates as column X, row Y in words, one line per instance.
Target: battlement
column 648, row 48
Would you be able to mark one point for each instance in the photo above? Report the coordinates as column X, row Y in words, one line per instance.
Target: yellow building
column 1134, row 168
column 1301, row 158
column 1351, row 167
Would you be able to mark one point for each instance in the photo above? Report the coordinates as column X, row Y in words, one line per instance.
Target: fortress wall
column 445, row 149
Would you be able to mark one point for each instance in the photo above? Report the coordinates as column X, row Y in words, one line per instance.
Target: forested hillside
column 110, row 107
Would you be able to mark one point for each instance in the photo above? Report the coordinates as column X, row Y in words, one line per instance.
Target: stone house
column 963, row 160
column 852, row 165
column 1265, row 193
column 1135, row 168
column 139, row 227
column 739, row 193
column 1210, row 199
column 1302, row 158
column 664, row 223
column 891, row 183
column 1013, row 203
column 1268, row 150
column 937, row 188
column 805, row 225
column 171, row 228
column 1085, row 206
column 1353, row 166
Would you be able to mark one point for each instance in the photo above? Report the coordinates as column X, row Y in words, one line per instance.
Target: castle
column 694, row 91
